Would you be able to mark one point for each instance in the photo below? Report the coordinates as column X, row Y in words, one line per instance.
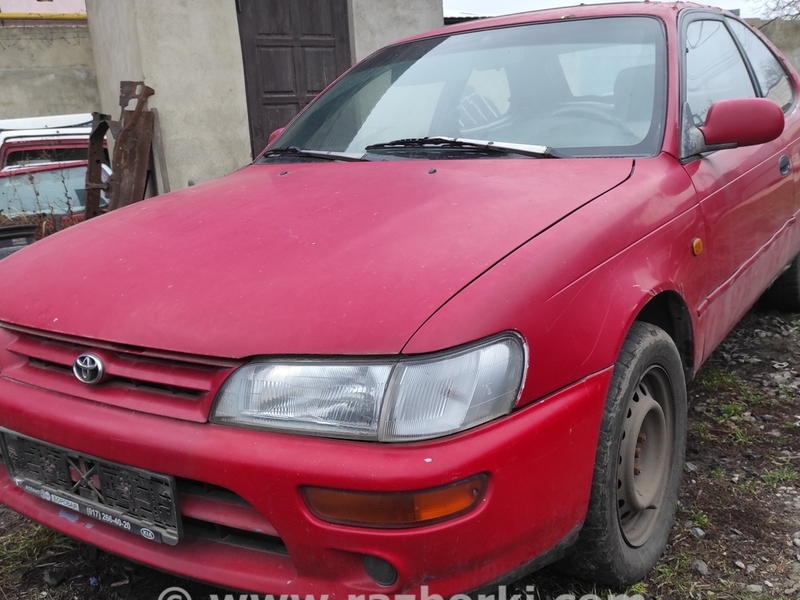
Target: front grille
column 167, row 384
column 232, row 536
column 168, row 505
column 216, row 514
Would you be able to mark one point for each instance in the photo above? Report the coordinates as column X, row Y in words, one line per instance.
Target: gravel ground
column 737, row 533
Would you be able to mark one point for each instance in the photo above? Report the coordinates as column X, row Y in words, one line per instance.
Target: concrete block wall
column 785, row 35
column 46, row 70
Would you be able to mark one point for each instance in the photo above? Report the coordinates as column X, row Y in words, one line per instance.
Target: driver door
column 746, row 194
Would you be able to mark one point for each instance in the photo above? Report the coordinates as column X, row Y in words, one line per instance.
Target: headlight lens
column 392, row 401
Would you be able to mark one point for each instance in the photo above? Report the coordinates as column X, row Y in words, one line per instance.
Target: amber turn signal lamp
column 396, row 509
column 697, row 246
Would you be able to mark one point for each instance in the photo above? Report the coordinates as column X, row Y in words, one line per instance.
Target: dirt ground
column 737, row 533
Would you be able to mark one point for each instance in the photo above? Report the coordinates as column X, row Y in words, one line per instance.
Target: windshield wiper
column 323, row 154
column 443, row 142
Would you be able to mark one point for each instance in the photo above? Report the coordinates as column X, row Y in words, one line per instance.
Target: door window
column 715, row 69
column 771, row 76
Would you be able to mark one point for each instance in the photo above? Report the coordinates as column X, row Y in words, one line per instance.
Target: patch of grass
column 749, row 485
column 719, row 473
column 779, row 476
column 787, row 395
column 701, row 519
column 716, row 379
column 704, row 431
column 637, row 588
column 547, row 585
column 24, row 548
column 728, row 410
column 753, row 397
column 742, row 436
column 674, row 572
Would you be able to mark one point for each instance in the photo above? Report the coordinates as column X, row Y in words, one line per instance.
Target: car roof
column 664, row 10
column 77, row 126
column 49, row 122
column 35, row 135
column 39, row 167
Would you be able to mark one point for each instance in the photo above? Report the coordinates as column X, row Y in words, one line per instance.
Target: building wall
column 375, row 24
column 115, row 38
column 46, row 70
column 188, row 51
column 785, row 35
column 36, row 6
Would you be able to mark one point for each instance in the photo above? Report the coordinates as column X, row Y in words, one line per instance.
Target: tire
column 639, row 462
column 784, row 293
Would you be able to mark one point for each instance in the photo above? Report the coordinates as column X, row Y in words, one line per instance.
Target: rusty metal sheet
column 94, row 171
column 132, row 147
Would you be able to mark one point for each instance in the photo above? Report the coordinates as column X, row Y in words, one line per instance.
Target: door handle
column 784, row 164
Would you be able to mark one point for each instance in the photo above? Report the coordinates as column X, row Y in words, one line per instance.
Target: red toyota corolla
column 437, row 334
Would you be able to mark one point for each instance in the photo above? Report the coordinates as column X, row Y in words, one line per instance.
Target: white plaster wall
column 375, row 24
column 115, row 41
column 199, row 81
column 189, row 53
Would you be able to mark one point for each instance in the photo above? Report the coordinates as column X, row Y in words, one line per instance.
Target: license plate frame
column 148, row 492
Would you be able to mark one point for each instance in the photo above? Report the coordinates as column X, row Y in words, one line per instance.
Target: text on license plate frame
column 170, row 533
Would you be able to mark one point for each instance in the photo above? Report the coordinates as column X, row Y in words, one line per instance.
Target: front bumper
column 539, row 462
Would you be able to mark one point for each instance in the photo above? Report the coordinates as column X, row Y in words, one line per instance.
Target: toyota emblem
column 88, row 368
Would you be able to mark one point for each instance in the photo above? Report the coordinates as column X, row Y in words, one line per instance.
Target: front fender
column 574, row 290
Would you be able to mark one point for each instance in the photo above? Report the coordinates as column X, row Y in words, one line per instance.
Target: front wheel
column 638, row 464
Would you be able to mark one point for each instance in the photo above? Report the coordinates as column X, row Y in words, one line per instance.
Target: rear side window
column 715, row 69
column 772, row 78
column 45, row 155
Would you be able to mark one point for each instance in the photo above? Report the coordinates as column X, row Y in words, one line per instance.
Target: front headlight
column 386, row 400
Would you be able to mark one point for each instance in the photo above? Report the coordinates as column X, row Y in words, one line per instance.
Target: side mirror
column 732, row 123
column 743, row 122
column 279, row 131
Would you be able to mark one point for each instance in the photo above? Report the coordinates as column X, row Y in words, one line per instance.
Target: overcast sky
column 749, row 8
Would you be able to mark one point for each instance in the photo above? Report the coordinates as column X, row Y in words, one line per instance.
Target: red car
column 36, row 140
column 438, row 334
column 38, row 200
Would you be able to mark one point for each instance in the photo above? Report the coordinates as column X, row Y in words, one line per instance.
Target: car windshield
column 50, row 192
column 593, row 87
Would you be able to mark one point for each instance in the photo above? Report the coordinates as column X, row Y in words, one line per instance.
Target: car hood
column 319, row 258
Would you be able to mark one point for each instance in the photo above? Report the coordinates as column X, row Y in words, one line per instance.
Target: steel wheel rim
column 645, row 455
